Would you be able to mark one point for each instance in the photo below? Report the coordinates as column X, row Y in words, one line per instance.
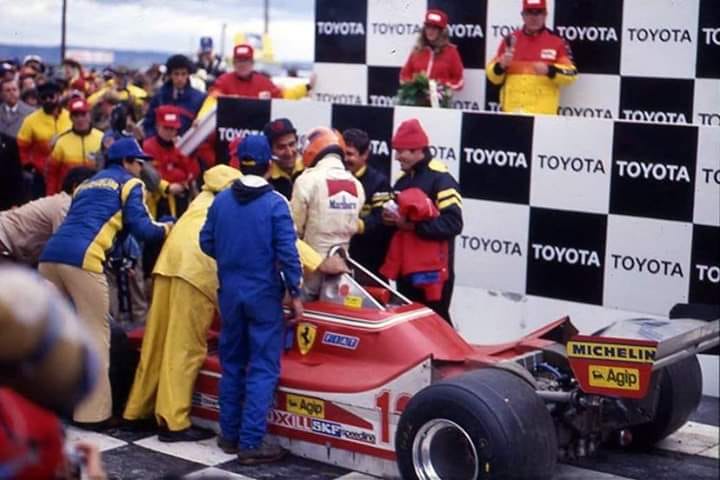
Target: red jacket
column 411, row 254
column 170, row 163
column 230, row 84
column 446, row 67
column 31, row 443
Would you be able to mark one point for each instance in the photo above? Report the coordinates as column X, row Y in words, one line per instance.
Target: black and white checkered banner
column 646, row 60
column 614, row 213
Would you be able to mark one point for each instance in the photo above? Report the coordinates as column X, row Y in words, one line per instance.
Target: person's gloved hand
column 333, row 265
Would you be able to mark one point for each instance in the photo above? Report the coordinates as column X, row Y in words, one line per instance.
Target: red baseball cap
column 168, row 116
column 410, row 136
column 534, row 5
column 436, row 18
column 243, row 52
column 78, row 105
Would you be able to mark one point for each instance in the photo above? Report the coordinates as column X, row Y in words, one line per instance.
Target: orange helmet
column 321, row 141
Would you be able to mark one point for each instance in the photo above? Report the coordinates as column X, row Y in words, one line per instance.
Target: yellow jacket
column 524, row 90
column 181, row 255
column 37, row 134
column 71, row 150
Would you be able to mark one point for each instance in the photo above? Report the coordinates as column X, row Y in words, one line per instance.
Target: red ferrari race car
column 375, row 383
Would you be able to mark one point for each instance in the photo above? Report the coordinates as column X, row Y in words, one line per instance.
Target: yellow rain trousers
column 183, row 304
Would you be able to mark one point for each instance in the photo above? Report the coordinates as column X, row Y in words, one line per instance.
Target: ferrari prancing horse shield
column 305, row 335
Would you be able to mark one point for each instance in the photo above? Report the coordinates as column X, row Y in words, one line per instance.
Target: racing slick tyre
column 486, row 424
column 680, row 386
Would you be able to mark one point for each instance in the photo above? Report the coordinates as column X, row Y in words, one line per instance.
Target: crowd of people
column 106, row 206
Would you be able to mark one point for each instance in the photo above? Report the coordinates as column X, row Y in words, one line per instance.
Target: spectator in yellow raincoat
column 182, row 309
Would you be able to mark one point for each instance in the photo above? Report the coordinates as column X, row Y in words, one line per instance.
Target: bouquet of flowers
column 423, row 92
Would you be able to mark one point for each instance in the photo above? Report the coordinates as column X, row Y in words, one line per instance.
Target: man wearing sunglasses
column 532, row 64
column 36, row 136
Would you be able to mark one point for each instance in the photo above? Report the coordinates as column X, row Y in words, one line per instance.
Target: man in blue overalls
column 250, row 232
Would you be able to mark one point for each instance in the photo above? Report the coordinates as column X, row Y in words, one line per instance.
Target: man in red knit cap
column 420, row 170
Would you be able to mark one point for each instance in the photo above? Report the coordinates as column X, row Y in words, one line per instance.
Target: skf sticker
column 305, row 336
column 309, row 407
column 548, row 54
column 607, row 351
column 340, row 340
column 619, row 378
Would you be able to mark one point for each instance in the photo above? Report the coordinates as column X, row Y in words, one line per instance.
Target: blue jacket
column 250, row 232
column 190, row 100
column 102, row 206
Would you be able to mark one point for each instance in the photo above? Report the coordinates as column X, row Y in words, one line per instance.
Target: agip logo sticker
column 306, row 406
column 615, row 378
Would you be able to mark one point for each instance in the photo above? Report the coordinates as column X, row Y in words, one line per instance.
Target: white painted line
column 205, row 452
column 103, row 442
column 693, row 439
column 215, row 473
column 568, row 472
column 356, row 476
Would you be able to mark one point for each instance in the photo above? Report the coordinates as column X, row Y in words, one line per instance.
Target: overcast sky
column 164, row 25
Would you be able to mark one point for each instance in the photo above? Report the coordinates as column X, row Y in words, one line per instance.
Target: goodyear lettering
column 326, row 428
column 382, row 100
column 345, row 98
column 443, row 153
column 466, row 105
column 395, row 28
column 606, row 351
column 709, row 119
column 465, row 30
column 590, row 34
column 589, row 112
column 571, row 256
column 708, row 273
column 503, row 30
column 228, row 134
column 379, row 147
column 339, row 340
column 616, row 378
column 665, row 35
column 340, row 28
column 575, row 164
column 492, row 245
column 658, row 117
column 103, row 183
column 310, row 407
column 647, row 265
column 711, row 175
column 712, row 36
column 656, row 171
column 498, row 158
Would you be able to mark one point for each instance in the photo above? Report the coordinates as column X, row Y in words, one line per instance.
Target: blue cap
column 206, row 44
column 254, row 150
column 126, row 148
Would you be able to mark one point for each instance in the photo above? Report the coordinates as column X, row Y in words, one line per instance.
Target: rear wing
column 619, row 359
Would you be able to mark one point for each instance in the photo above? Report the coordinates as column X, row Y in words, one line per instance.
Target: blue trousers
column 251, row 341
